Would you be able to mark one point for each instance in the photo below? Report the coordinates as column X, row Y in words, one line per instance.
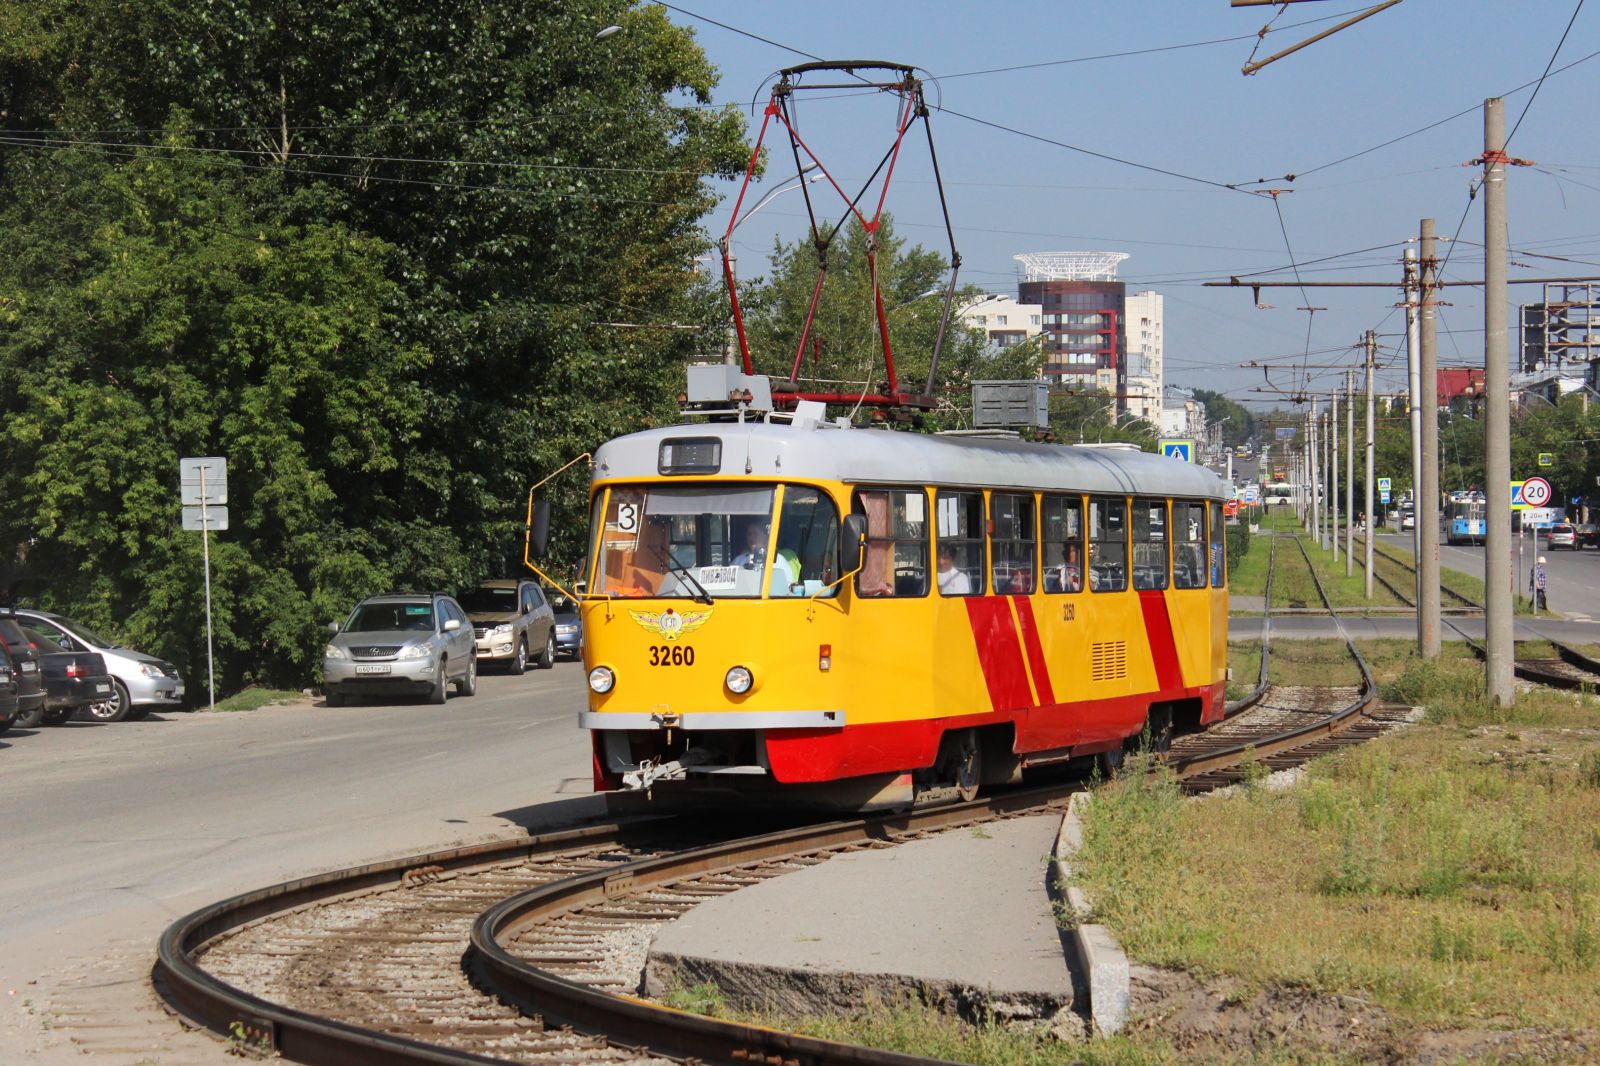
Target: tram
column 863, row 618
column 1465, row 518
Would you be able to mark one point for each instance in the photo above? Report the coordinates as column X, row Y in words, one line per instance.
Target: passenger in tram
column 1071, row 569
column 952, row 580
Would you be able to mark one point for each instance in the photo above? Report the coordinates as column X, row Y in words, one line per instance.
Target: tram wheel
column 968, row 764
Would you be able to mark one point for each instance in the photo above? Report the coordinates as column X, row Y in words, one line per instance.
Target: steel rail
column 299, row 1035
column 680, row 1034
column 1337, row 722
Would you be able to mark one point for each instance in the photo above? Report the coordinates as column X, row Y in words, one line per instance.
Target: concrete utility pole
column 1497, row 578
column 1315, row 485
column 1426, row 492
column 1414, row 403
column 1350, row 470
column 1333, row 485
column 1372, row 450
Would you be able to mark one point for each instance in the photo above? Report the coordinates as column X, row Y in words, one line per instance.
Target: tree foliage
column 1238, row 424
column 362, row 250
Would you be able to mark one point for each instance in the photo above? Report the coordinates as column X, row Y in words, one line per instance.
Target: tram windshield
column 706, row 542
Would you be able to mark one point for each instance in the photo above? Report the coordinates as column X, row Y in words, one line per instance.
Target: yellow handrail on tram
column 527, row 533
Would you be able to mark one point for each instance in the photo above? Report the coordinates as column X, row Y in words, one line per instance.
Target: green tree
column 1089, row 418
column 371, row 261
column 1238, row 424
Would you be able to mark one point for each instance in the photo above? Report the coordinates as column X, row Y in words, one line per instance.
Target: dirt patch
column 1222, row 1018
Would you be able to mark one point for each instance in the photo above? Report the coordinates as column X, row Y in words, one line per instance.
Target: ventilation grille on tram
column 1108, row 661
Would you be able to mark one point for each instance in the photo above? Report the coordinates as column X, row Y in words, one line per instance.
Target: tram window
column 961, row 543
column 1149, row 544
column 1108, row 544
column 808, row 544
column 1188, row 545
column 683, row 541
column 1063, row 543
column 1219, row 567
column 896, row 560
column 1011, row 543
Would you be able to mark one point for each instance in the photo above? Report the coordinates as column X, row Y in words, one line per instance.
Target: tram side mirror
column 539, row 528
column 853, row 543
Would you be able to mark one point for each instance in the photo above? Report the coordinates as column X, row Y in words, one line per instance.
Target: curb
column 1092, row 950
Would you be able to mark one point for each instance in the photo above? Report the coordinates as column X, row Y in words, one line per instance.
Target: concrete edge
column 1093, row 951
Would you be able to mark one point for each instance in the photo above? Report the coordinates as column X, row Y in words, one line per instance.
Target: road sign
column 1547, row 459
column 1383, row 489
column 210, row 470
column 1517, row 503
column 1250, row 494
column 1230, row 509
column 216, row 518
column 1284, row 433
column 1178, row 449
column 1536, row 492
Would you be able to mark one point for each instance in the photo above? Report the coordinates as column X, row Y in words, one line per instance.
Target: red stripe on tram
column 999, row 652
column 1030, row 640
column 1163, row 648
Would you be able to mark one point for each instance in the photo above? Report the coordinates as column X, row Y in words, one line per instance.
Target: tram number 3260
column 671, row 655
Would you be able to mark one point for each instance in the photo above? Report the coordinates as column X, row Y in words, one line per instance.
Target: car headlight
column 601, row 679
column 503, row 629
column 417, row 651
column 739, row 680
column 150, row 671
column 566, row 631
column 333, row 651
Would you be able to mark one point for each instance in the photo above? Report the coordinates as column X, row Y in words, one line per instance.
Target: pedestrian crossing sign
column 1178, row 449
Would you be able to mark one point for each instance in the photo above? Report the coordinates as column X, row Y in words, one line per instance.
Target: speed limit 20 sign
column 1536, row 492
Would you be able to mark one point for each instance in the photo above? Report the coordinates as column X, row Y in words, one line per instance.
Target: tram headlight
column 739, row 680
column 601, row 679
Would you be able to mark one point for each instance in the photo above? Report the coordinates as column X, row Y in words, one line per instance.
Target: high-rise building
column 1083, row 314
column 1143, row 315
column 1005, row 321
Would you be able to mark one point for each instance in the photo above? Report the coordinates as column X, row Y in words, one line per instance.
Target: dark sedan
column 569, row 627
column 8, row 690
column 1589, row 535
column 73, row 677
column 25, row 663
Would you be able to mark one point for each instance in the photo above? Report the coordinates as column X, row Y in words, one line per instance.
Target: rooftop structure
column 1069, row 266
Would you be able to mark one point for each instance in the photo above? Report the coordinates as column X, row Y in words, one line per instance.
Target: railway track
column 1569, row 669
column 531, row 950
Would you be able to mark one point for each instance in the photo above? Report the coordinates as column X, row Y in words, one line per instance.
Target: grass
column 1449, row 871
column 253, row 698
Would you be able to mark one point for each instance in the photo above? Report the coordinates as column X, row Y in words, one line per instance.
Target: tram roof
column 869, row 456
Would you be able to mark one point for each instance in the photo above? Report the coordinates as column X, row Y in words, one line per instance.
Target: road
column 1572, row 578
column 115, row 830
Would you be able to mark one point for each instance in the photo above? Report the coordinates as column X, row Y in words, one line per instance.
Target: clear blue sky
column 1188, row 110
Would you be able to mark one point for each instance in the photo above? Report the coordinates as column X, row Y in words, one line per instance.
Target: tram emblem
column 669, row 623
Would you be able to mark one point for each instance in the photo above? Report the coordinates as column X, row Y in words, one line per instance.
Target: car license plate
column 372, row 668
column 103, row 688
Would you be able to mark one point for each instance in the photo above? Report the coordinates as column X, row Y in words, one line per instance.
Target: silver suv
column 512, row 621
column 413, row 643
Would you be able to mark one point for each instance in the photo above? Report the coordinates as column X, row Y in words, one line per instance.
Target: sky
column 1149, row 96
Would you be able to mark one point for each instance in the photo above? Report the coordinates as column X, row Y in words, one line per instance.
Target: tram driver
column 754, row 557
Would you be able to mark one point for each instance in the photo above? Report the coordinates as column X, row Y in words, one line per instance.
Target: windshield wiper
column 681, row 572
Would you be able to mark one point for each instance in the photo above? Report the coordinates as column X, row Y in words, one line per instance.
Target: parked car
column 140, row 683
column 74, row 676
column 1562, row 535
column 8, row 689
column 1589, row 535
column 415, row 643
column 569, row 627
column 30, row 684
column 510, row 618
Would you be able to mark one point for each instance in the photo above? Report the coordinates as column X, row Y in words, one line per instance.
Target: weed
column 1448, row 943
column 1589, row 770
column 978, row 833
column 704, row 998
column 249, row 1042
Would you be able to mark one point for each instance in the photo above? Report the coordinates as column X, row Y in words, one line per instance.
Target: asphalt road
column 1572, row 578
column 113, row 830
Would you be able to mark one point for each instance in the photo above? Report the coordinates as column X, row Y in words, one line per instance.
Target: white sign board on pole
column 210, row 519
column 208, row 472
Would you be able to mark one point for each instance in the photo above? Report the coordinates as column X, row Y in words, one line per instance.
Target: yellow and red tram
column 862, row 617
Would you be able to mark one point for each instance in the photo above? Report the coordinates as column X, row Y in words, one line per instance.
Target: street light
column 609, row 31
column 799, row 181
